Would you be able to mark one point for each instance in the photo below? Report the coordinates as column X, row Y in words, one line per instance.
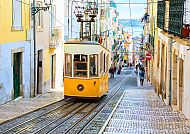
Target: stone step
column 111, row 130
column 150, row 118
column 164, row 109
column 142, row 104
column 149, row 113
column 114, row 123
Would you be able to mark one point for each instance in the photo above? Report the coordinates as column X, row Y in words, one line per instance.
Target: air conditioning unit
column 56, row 37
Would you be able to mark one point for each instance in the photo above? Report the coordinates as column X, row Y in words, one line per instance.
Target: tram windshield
column 80, row 65
column 93, row 65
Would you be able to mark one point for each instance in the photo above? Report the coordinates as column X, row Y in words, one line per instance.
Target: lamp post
column 34, row 11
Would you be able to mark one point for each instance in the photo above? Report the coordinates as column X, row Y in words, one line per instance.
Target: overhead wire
column 60, row 22
column 129, row 3
column 49, row 13
column 130, row 13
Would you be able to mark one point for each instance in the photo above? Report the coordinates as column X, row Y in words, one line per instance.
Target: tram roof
column 82, row 42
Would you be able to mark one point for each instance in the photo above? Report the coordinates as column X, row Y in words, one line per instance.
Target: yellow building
column 171, row 67
column 151, row 35
column 14, row 50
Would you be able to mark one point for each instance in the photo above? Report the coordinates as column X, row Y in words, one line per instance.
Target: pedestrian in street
column 141, row 75
column 111, row 71
column 136, row 69
column 114, row 69
column 119, row 70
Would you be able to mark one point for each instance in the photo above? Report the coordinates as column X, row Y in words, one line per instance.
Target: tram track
column 29, row 124
column 79, row 129
column 89, row 113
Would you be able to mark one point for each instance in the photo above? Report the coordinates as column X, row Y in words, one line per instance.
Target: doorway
column 39, row 72
column 17, row 74
column 174, row 80
column 162, row 81
column 181, row 81
column 53, row 70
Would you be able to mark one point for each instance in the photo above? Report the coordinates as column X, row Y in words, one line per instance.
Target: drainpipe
column 170, row 70
column 34, row 36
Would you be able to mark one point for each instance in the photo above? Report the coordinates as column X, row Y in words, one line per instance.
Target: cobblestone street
column 143, row 112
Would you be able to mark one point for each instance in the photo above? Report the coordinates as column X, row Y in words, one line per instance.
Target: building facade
column 171, row 60
column 49, row 47
column 14, row 50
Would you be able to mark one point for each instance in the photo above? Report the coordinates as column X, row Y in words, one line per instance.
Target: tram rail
column 31, row 123
column 76, row 120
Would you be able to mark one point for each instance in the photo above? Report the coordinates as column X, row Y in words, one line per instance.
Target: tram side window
column 68, row 65
column 107, row 62
column 101, row 61
column 93, row 65
column 104, row 62
column 80, row 65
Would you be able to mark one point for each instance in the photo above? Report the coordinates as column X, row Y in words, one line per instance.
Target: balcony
column 176, row 14
column 161, row 14
column 56, row 37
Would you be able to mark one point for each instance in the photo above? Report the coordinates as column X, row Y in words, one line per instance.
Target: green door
column 16, row 74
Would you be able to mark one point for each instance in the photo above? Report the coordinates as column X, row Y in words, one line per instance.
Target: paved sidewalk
column 23, row 106
column 143, row 112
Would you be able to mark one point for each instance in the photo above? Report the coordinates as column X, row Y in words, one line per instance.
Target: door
column 17, row 74
column 162, row 80
column 53, row 71
column 39, row 71
column 181, row 81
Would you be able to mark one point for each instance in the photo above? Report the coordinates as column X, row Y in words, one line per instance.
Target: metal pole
column 68, row 18
column 170, row 72
column 72, row 19
column 34, row 34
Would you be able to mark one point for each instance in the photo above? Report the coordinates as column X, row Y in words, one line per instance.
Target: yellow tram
column 86, row 69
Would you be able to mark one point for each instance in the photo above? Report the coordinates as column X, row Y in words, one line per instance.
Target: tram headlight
column 80, row 87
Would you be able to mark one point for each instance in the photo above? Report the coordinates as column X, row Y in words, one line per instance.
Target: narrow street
column 128, row 108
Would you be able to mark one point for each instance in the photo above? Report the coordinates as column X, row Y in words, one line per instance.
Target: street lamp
column 34, row 11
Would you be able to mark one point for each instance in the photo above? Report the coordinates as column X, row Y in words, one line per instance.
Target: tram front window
column 80, row 65
column 93, row 65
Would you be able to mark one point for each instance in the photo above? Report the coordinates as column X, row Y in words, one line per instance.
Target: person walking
column 119, row 70
column 141, row 75
column 111, row 71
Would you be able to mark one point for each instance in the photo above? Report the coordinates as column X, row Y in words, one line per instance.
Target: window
column 68, row 65
column 107, row 62
column 39, row 16
column 17, row 15
column 101, row 61
column 80, row 65
column 93, row 65
column 104, row 62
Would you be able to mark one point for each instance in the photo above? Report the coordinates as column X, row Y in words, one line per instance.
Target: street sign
column 148, row 56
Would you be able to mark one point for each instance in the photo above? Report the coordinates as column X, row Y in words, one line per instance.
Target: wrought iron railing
column 161, row 14
column 176, row 14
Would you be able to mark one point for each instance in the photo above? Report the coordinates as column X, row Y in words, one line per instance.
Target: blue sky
column 137, row 10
